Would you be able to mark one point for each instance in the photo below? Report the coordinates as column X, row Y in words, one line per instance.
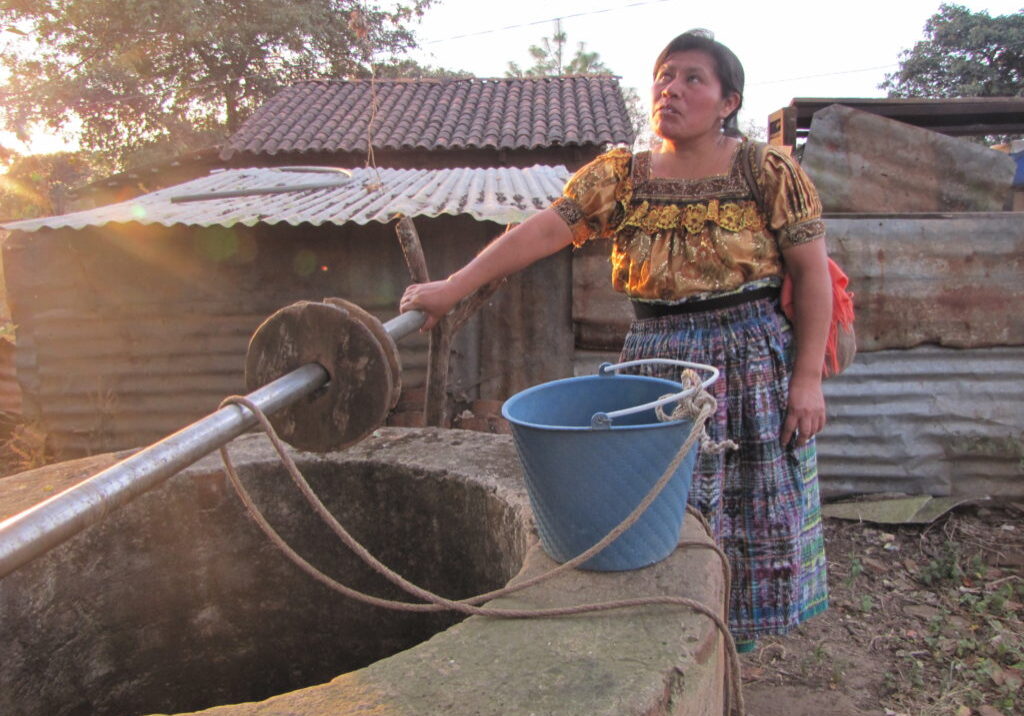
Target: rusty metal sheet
column 953, row 280
column 10, row 393
column 949, row 279
column 535, row 306
column 928, row 421
column 861, row 162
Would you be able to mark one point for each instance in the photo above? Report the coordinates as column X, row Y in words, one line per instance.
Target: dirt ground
column 925, row 620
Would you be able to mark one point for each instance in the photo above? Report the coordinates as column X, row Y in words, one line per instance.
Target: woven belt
column 655, row 310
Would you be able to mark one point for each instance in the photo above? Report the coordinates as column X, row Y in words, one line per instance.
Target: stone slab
column 175, row 593
column 650, row 660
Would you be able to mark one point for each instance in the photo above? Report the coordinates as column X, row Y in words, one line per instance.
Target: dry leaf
column 989, row 711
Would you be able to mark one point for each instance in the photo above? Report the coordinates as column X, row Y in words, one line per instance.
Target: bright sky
column 788, row 48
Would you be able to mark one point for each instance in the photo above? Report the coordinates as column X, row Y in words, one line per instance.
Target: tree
column 548, row 60
column 964, row 54
column 40, row 184
column 178, row 74
column 410, row 69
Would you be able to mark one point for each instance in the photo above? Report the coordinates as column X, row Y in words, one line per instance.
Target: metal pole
column 41, row 528
column 256, row 191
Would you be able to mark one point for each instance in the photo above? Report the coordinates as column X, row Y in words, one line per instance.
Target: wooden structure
column 131, row 325
column 962, row 116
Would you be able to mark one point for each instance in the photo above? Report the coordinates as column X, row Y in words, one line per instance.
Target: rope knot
column 698, row 406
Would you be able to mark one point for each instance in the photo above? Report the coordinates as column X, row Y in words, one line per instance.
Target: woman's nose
column 670, row 90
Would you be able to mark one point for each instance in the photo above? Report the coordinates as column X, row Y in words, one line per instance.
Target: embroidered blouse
column 677, row 238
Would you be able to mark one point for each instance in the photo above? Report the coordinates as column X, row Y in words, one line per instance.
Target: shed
column 407, row 123
column 133, row 319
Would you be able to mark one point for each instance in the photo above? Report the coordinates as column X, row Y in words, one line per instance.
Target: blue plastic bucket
column 585, row 473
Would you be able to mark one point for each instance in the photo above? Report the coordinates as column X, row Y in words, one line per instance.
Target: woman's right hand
column 435, row 299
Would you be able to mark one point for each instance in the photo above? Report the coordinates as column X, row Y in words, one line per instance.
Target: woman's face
column 687, row 97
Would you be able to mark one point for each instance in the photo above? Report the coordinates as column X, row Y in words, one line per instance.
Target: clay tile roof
column 437, row 114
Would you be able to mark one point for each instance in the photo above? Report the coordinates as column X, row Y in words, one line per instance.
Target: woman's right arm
column 541, row 235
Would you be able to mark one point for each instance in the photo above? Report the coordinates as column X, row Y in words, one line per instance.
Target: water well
column 176, row 602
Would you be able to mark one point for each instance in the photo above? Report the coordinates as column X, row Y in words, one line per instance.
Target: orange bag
column 841, row 346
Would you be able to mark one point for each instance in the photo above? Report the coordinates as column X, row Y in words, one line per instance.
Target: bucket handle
column 604, row 420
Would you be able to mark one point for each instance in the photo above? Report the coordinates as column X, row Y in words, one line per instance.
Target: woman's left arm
column 807, row 265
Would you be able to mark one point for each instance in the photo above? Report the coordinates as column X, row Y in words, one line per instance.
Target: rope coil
column 700, row 406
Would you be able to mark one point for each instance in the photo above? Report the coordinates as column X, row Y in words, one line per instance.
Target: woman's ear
column 730, row 104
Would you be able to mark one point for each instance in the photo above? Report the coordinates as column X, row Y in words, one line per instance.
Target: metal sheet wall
column 948, row 279
column 909, row 415
column 930, row 420
column 10, row 392
column 127, row 333
column 860, row 161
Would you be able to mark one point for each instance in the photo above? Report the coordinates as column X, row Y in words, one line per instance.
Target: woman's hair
column 728, row 68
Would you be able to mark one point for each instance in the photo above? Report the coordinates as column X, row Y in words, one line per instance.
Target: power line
column 542, row 22
column 824, row 74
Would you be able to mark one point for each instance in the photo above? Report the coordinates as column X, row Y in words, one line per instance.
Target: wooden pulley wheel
column 357, row 398
column 386, row 342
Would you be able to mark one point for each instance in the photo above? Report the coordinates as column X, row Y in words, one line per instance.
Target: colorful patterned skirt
column 761, row 500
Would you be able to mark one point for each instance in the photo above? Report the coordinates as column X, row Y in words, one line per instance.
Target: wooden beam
column 435, row 405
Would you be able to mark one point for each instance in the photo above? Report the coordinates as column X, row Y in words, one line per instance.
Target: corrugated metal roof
column 502, row 195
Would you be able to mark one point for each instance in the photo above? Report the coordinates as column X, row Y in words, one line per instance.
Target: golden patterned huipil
column 678, row 238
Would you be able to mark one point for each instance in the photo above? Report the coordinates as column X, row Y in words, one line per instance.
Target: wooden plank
column 601, row 316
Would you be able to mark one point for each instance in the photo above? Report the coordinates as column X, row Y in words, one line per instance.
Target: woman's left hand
column 805, row 413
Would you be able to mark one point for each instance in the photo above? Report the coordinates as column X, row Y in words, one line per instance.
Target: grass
column 973, row 652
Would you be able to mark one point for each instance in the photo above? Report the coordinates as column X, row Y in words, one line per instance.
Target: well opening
column 177, row 602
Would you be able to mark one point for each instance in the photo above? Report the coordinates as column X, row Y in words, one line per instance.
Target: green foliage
column 549, row 60
column 410, row 69
column 950, row 566
column 964, row 54
column 178, row 75
column 856, row 569
column 40, row 184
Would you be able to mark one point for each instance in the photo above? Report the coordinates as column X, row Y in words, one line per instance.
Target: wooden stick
column 472, row 303
column 412, row 249
column 439, row 352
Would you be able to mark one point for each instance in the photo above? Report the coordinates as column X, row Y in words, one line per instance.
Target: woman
column 701, row 253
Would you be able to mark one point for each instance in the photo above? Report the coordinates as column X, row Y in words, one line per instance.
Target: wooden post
column 782, row 127
column 412, row 249
column 439, row 354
